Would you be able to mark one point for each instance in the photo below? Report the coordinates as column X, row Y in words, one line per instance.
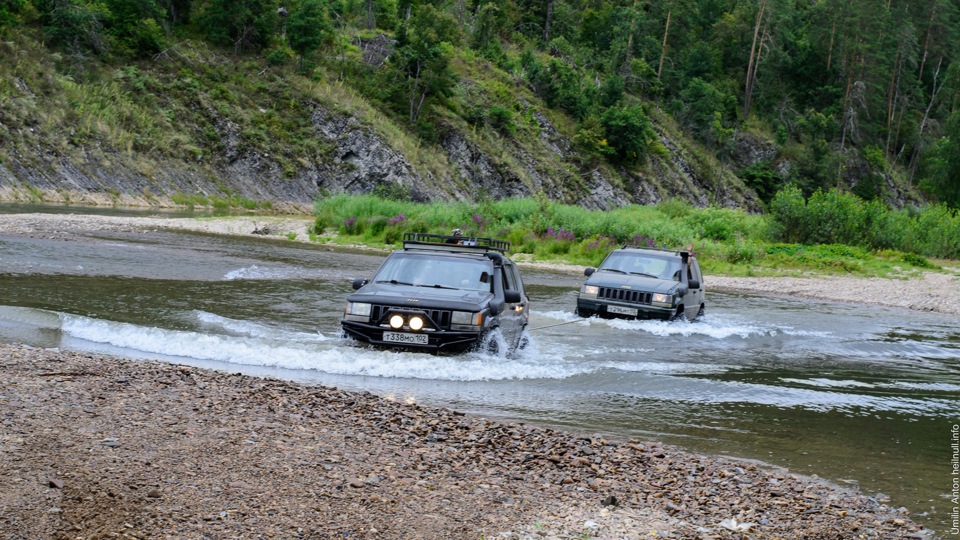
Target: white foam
column 713, row 326
column 340, row 357
column 829, row 383
column 252, row 329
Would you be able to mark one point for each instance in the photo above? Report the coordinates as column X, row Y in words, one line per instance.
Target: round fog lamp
column 396, row 321
column 416, row 323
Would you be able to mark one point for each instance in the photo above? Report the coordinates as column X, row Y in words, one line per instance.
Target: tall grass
column 727, row 241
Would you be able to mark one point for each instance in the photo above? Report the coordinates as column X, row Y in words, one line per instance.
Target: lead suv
column 643, row 283
column 440, row 293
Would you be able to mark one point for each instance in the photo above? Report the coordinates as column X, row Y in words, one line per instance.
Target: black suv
column 440, row 293
column 643, row 283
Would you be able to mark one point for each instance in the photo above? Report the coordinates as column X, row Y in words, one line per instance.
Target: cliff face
column 360, row 160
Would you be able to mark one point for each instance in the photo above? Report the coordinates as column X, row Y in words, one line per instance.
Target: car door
column 694, row 296
column 514, row 316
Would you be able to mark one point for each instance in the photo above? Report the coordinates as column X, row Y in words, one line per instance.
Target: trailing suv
column 643, row 283
column 440, row 293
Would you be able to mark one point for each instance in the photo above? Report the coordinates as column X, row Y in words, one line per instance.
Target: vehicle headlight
column 662, row 300
column 589, row 290
column 357, row 311
column 466, row 317
column 358, row 308
column 396, row 322
column 416, row 323
column 466, row 320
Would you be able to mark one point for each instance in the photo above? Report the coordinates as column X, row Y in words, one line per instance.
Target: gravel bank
column 100, row 447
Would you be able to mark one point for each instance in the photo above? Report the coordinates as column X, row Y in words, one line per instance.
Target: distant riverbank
column 930, row 291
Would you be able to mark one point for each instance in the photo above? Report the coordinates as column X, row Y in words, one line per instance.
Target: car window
column 639, row 263
column 512, row 275
column 439, row 272
column 696, row 270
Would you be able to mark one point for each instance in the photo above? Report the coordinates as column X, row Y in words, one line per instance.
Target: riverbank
column 929, row 291
column 97, row 447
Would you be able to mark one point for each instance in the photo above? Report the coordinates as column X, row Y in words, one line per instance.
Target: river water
column 862, row 395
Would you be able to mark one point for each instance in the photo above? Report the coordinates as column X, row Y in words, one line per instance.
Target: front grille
column 624, row 295
column 440, row 317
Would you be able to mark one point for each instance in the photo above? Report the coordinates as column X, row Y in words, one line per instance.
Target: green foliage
column 703, row 108
column 308, row 27
column 943, row 178
column 594, row 63
column 629, row 132
column 833, row 217
column 246, row 25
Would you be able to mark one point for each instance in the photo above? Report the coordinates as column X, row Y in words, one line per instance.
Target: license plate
column 401, row 337
column 619, row 310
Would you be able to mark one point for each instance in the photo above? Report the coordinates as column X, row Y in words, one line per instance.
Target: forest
column 857, row 96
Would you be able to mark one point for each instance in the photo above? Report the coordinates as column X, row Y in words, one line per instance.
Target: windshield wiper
column 641, row 274
column 394, row 282
column 613, row 270
column 437, row 286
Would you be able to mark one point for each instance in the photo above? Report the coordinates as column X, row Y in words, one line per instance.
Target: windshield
column 625, row 262
column 438, row 272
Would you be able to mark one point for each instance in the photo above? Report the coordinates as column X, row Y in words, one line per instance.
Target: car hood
column 636, row 283
column 427, row 297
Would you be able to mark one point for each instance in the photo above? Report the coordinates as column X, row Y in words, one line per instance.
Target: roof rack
column 443, row 242
column 666, row 250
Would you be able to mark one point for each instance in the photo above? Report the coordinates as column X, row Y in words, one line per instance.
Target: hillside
column 202, row 102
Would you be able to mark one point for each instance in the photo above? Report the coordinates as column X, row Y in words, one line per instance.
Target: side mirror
column 694, row 284
column 359, row 282
column 589, row 271
column 512, row 297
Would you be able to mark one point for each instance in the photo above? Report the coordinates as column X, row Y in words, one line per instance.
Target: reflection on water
column 858, row 394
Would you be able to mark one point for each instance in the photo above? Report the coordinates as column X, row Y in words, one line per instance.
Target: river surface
column 865, row 396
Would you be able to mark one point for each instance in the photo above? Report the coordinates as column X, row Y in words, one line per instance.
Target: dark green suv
column 440, row 293
column 643, row 283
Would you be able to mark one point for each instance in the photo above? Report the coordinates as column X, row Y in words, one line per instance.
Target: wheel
column 700, row 313
column 524, row 341
column 582, row 312
column 680, row 315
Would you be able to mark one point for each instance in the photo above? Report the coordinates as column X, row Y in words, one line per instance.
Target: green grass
column 728, row 242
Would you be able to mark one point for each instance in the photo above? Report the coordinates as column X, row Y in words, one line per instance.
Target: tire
column 680, row 315
column 700, row 313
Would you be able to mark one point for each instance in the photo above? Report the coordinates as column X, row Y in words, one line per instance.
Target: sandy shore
column 100, row 447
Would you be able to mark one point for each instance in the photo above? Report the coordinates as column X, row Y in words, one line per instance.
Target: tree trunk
column 833, row 32
column 548, row 22
column 915, row 159
column 748, row 84
column 414, row 87
column 371, row 19
column 926, row 40
column 633, row 29
column 892, row 94
column 663, row 48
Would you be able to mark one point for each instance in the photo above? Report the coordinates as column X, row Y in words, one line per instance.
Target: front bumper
column 440, row 340
column 623, row 310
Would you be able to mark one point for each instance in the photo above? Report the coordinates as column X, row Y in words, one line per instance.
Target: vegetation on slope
column 861, row 97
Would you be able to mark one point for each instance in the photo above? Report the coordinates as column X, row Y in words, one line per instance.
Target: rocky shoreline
column 101, row 447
